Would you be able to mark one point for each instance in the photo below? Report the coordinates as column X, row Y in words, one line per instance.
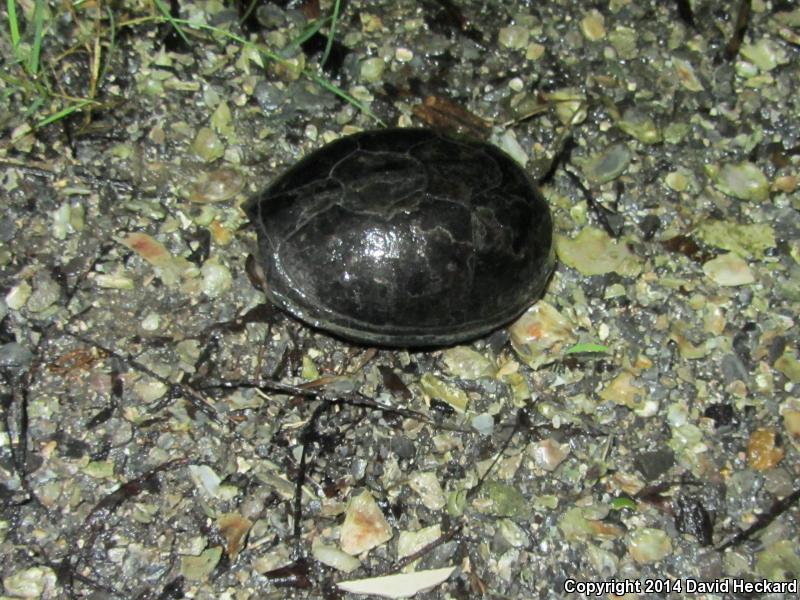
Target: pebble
column 427, row 487
column 331, row 556
column 594, row 252
column 46, row 292
column 446, row 392
column 483, row 423
column 364, row 526
column 541, row 334
column 640, row 125
column 216, row 186
column 647, row 545
column 217, row 278
column 608, row 164
column 18, row 296
column 749, row 240
column 593, row 26
column 728, row 270
column 765, row 54
column 466, row 363
column 15, row 356
column 743, row 180
column 30, row 583
column 548, row 454
column 372, row 69
column 514, row 37
column 762, row 453
column 207, row 146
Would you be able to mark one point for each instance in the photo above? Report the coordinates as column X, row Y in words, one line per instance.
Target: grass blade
column 331, row 34
column 38, row 30
column 13, row 23
column 64, row 112
column 324, row 83
column 310, row 30
column 112, row 45
column 172, row 21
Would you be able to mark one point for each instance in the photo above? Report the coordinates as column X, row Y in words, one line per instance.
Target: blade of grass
column 331, row 34
column 250, row 8
column 13, row 24
column 38, row 29
column 112, row 44
column 64, row 112
column 311, row 29
column 313, row 76
column 34, row 106
column 172, row 21
column 322, row 82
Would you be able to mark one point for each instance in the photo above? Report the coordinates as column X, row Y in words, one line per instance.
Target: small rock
column 623, row 390
column 548, row 454
column 593, row 26
column 483, row 423
column 762, row 453
column 198, row 568
column 427, row 486
column 372, row 69
column 514, row 37
column 439, row 390
column 654, row 464
column 594, row 252
column 364, row 526
column 15, row 356
column 46, row 292
column 686, row 75
column 216, row 186
column 765, row 54
column 403, row 55
column 638, row 124
column 608, row 164
column 743, row 180
column 29, row 583
column 647, row 545
column 409, row 542
column 464, row 362
column 541, row 334
column 207, row 146
column 234, row 528
column 728, row 270
column 331, row 556
column 513, row 533
column 217, row 278
column 677, row 180
column 745, row 240
column 205, row 479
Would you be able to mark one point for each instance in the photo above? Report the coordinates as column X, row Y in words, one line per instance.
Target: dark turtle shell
column 404, row 237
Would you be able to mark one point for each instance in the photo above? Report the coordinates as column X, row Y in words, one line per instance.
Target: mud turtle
column 404, row 237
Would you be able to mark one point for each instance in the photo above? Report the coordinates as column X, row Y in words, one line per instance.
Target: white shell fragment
column 397, row 586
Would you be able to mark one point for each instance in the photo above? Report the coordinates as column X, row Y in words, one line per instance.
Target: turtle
column 404, row 237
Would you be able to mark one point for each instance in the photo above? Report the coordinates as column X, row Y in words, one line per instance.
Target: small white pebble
column 403, row 55
column 151, row 322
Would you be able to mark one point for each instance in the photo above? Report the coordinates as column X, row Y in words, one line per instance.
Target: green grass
column 13, row 25
column 331, row 34
column 30, row 73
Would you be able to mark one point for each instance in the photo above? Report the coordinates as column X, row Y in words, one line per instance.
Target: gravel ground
column 168, row 434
